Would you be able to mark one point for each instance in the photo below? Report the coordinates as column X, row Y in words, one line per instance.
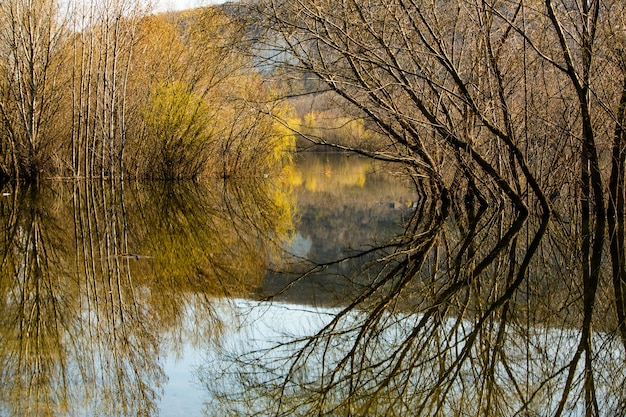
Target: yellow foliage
column 292, row 176
column 337, row 129
column 318, row 177
column 174, row 113
column 284, row 142
column 310, row 120
column 160, row 52
column 177, row 137
column 201, row 102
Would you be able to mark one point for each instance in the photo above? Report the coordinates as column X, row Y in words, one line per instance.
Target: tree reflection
column 98, row 280
column 487, row 313
column 34, row 310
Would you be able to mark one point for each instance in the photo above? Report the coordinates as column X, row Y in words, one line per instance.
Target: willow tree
column 518, row 102
column 195, row 99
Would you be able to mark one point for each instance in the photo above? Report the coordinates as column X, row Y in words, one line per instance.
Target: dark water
column 338, row 290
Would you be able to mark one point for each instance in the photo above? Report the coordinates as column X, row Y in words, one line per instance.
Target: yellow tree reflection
column 98, row 279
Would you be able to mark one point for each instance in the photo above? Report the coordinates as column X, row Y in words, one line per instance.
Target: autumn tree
column 177, row 125
column 201, row 108
column 93, row 89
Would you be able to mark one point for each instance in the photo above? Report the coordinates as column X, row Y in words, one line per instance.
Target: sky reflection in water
column 139, row 300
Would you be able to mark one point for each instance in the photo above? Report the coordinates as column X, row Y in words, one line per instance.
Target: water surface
column 336, row 290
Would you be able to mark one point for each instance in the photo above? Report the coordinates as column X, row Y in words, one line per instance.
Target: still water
column 336, row 290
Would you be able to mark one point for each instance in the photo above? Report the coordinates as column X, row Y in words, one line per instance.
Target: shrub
column 176, row 143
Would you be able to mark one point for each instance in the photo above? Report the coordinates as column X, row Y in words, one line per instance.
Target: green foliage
column 176, row 143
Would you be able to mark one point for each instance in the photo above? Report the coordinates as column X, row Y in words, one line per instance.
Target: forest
column 520, row 102
column 501, row 289
column 110, row 90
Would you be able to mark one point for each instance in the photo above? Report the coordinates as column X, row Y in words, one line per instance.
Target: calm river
column 337, row 290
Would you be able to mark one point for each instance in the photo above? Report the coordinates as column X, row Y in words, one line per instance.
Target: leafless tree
column 515, row 100
column 102, row 53
column 512, row 95
column 30, row 66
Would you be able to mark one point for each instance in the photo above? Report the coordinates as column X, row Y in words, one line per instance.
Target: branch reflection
column 466, row 313
column 99, row 281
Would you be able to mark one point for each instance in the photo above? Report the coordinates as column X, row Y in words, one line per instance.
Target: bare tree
column 103, row 47
column 506, row 93
column 32, row 35
column 519, row 101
